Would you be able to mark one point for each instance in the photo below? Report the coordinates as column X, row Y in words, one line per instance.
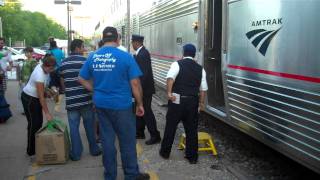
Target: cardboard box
column 52, row 144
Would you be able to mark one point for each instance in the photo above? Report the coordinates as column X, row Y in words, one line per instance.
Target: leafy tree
column 33, row 27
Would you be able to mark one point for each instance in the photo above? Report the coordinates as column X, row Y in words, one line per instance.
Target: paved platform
column 14, row 164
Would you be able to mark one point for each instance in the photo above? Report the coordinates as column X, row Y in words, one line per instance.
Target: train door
column 212, row 54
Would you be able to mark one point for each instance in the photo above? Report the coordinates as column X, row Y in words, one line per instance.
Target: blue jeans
column 87, row 115
column 121, row 123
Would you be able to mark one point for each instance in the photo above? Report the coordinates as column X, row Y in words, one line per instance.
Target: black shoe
column 192, row 160
column 143, row 176
column 140, row 136
column 31, row 154
column 164, row 155
column 153, row 141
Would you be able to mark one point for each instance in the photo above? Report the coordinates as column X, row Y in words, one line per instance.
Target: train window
column 211, row 24
column 179, row 40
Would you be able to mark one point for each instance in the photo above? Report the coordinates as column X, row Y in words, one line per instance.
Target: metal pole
column 71, row 35
column 0, row 27
column 68, row 14
column 128, row 25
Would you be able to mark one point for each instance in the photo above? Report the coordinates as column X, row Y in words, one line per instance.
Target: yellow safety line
column 153, row 175
column 35, row 166
column 139, row 149
column 31, row 178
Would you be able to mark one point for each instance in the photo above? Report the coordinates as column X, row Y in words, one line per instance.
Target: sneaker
column 143, row 176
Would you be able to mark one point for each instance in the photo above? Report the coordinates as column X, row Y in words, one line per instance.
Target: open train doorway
column 212, row 55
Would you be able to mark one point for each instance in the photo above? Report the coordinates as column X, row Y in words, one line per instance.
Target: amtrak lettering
column 267, row 22
column 263, row 37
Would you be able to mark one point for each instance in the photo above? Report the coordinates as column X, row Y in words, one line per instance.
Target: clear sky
column 84, row 17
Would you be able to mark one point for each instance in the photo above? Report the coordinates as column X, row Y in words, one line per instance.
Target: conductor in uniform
column 186, row 87
column 143, row 59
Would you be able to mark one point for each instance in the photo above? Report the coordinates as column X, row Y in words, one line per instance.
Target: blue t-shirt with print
column 111, row 71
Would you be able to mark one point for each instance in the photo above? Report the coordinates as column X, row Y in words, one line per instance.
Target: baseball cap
column 189, row 49
column 110, row 34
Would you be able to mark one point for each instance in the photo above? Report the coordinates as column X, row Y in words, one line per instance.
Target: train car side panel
column 167, row 27
column 273, row 77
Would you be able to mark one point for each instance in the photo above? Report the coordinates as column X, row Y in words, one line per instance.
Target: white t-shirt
column 174, row 71
column 122, row 48
column 37, row 76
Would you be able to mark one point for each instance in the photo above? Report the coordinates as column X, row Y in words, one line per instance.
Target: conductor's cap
column 136, row 37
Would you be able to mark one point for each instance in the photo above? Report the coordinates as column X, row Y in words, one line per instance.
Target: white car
column 39, row 51
column 16, row 56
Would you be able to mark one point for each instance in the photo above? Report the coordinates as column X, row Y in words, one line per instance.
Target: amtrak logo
column 263, row 37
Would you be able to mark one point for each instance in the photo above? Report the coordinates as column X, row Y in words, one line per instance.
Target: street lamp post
column 128, row 25
column 68, row 2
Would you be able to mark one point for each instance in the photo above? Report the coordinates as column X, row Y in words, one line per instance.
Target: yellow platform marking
column 35, row 165
column 139, row 149
column 153, row 175
column 31, row 178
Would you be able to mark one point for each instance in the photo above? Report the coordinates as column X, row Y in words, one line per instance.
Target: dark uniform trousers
column 147, row 119
column 187, row 112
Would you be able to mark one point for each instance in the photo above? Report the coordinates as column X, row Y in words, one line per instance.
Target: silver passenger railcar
column 262, row 61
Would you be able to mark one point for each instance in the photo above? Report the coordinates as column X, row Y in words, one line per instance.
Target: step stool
column 204, row 139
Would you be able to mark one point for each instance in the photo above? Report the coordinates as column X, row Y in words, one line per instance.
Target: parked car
column 38, row 53
column 20, row 48
column 16, row 56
